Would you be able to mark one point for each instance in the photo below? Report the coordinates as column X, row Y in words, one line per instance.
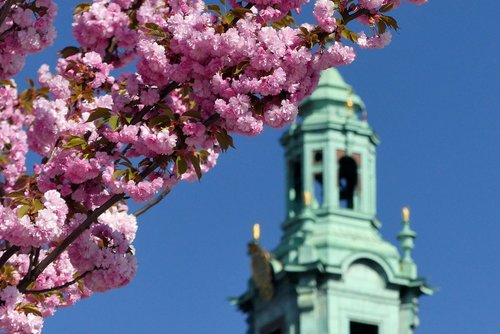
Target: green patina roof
column 333, row 88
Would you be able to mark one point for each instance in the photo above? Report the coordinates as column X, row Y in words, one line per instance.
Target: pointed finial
column 406, row 236
column 405, row 214
column 256, row 233
column 349, row 103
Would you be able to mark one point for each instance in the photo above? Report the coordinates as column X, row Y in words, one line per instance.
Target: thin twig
column 151, row 203
column 65, row 285
column 8, row 253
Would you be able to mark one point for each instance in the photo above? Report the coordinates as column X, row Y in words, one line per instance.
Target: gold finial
column 307, row 198
column 405, row 213
column 256, row 233
column 349, row 104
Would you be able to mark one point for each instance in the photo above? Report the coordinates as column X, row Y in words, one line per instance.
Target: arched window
column 296, row 181
column 317, row 169
column 348, row 180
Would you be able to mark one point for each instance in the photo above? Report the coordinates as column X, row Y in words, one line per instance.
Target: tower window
column 360, row 328
column 318, row 157
column 296, row 180
column 318, row 188
column 347, row 181
column 317, row 175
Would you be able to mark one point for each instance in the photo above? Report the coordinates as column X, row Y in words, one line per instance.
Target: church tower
column 332, row 273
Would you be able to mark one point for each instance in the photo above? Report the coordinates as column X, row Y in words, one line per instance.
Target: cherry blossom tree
column 204, row 72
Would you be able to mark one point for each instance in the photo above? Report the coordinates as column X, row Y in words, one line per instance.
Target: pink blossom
column 336, row 55
column 323, row 13
column 375, row 42
column 36, row 231
column 371, row 4
column 278, row 115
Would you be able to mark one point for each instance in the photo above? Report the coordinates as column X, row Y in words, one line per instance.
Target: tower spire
column 332, row 272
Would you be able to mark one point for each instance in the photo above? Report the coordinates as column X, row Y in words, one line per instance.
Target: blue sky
column 433, row 98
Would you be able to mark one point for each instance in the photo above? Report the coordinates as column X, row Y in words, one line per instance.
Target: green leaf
column 99, row 113
column 37, row 205
column 195, row 161
column 353, row 37
column 203, row 154
column 166, row 109
column 113, row 122
column 30, row 308
column 224, row 139
column 7, row 83
column 159, row 120
column 181, row 165
column 81, row 8
column 15, row 194
column 193, row 113
column 118, row 173
column 215, row 8
column 155, row 30
column 23, row 210
column 386, row 8
column 75, row 141
column 381, row 26
column 345, row 33
column 241, row 67
column 391, row 22
column 131, row 173
column 127, row 164
column 228, row 18
column 69, row 51
column 128, row 119
column 240, row 12
column 286, row 21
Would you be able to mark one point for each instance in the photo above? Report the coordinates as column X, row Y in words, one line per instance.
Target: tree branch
column 360, row 12
column 8, row 254
column 66, row 242
column 92, row 217
column 163, row 93
column 65, row 285
column 152, row 203
column 4, row 11
column 25, row 282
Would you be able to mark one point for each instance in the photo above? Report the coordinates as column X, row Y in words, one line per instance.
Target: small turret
column 406, row 238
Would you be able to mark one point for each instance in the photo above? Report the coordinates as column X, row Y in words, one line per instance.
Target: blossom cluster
column 203, row 74
column 27, row 29
column 102, row 258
